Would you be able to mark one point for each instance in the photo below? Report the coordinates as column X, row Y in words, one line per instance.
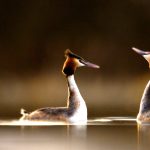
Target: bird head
column 145, row 54
column 74, row 61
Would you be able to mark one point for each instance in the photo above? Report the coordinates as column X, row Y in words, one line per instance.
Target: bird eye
column 81, row 61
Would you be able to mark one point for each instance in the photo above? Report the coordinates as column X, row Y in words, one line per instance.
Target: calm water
column 109, row 133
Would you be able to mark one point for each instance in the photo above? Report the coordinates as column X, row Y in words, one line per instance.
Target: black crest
column 71, row 54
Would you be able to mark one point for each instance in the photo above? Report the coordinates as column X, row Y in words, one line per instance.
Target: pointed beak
column 88, row 64
column 140, row 51
column 146, row 55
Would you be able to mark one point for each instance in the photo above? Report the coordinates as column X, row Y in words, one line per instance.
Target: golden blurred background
column 34, row 35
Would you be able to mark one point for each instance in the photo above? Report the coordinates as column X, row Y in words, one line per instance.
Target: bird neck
column 75, row 99
column 145, row 101
column 69, row 67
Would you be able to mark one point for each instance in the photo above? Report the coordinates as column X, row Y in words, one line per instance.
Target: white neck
column 72, row 85
column 145, row 101
column 76, row 104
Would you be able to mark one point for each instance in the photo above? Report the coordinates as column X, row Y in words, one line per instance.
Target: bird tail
column 24, row 114
column 23, row 111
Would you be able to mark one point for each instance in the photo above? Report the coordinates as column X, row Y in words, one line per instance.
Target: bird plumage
column 144, row 110
column 76, row 110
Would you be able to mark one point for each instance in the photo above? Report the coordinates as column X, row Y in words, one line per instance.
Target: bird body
column 76, row 110
column 144, row 111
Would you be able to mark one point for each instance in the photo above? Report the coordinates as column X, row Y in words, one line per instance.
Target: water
column 109, row 133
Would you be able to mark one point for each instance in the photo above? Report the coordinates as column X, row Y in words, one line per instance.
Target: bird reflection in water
column 55, row 135
column 143, row 136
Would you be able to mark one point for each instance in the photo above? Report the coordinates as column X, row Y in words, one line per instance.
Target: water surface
column 109, row 133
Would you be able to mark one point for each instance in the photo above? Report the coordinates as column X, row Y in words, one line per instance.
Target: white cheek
column 80, row 64
column 147, row 57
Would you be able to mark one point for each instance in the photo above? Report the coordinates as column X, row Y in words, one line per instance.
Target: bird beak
column 140, row 51
column 146, row 55
column 88, row 64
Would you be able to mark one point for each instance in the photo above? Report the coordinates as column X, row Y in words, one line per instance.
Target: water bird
column 76, row 109
column 144, row 111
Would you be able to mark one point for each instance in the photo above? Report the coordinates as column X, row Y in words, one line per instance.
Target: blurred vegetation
column 34, row 35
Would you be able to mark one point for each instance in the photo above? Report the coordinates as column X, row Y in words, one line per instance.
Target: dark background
column 34, row 35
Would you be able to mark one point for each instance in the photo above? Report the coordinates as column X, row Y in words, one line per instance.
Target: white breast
column 80, row 114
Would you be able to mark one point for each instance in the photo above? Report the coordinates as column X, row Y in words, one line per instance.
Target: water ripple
column 92, row 121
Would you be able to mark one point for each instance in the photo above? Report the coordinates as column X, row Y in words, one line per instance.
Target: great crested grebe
column 76, row 110
column 144, row 111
